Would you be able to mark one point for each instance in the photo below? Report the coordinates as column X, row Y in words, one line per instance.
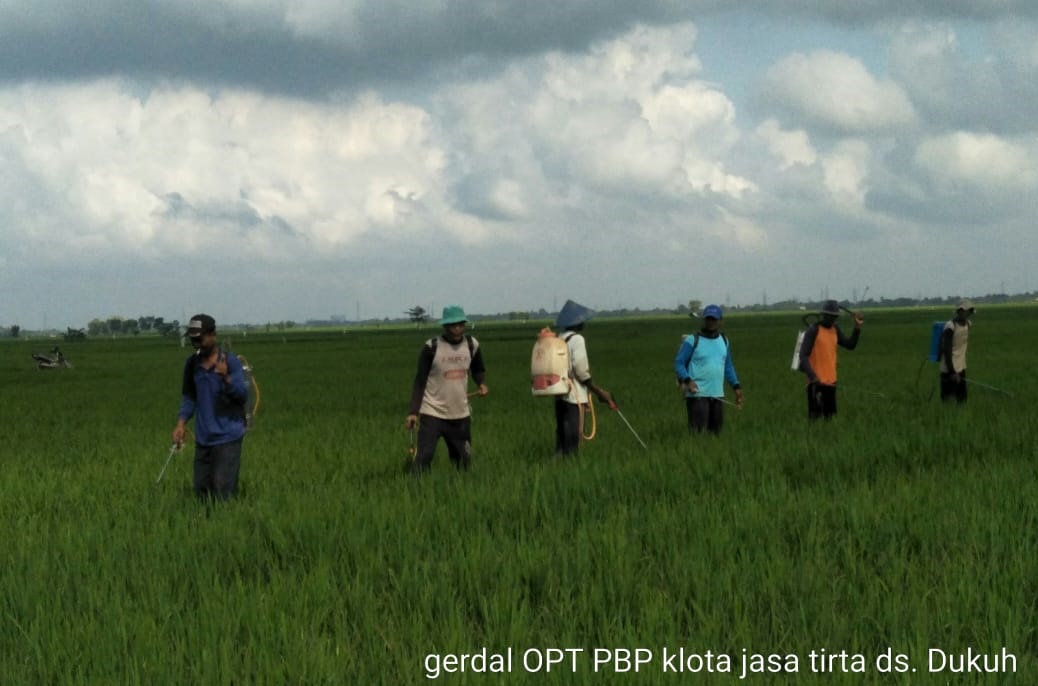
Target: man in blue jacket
column 214, row 392
column 702, row 365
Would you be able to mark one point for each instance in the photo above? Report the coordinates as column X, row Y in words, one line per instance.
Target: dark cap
column 831, row 307
column 200, row 324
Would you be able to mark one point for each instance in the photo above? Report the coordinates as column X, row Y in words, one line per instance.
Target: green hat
column 453, row 314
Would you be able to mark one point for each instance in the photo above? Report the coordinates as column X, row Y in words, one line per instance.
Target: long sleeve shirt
column 440, row 386
column 818, row 352
column 707, row 360
column 218, row 407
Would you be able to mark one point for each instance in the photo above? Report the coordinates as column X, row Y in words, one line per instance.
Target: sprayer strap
column 468, row 339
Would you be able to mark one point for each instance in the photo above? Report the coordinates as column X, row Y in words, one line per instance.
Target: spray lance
column 856, row 315
column 636, row 436
column 851, row 312
column 989, row 387
column 614, row 408
column 173, row 450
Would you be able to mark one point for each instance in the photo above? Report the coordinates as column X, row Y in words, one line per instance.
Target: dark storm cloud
column 263, row 47
column 155, row 40
column 146, row 41
column 865, row 11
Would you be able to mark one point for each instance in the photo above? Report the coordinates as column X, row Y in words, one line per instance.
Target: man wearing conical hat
column 439, row 397
column 568, row 428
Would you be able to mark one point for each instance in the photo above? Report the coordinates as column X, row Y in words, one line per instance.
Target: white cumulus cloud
column 981, row 162
column 635, row 112
column 180, row 168
column 791, row 147
column 835, row 91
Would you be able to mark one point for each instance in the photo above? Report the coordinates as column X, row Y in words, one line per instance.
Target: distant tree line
column 418, row 315
column 130, row 326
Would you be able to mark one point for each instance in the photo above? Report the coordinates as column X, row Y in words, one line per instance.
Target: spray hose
column 594, row 422
column 254, row 410
column 256, row 404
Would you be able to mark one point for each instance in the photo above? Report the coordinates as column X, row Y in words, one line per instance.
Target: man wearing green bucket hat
column 440, row 398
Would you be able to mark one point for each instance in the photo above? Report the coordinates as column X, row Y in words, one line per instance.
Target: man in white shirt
column 569, row 409
column 954, row 340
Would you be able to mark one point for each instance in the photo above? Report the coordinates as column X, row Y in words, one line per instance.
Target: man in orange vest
column 818, row 358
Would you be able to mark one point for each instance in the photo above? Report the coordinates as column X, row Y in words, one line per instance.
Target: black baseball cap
column 200, row 324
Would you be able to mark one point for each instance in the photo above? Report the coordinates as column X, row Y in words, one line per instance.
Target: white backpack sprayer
column 795, row 364
column 549, row 365
column 550, row 376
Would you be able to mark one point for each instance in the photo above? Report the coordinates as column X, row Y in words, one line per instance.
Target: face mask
column 200, row 349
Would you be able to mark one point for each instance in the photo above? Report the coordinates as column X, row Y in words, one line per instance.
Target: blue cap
column 712, row 312
column 571, row 315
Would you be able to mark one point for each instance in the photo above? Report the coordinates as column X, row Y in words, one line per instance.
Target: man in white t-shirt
column 439, row 397
column 954, row 340
column 568, row 408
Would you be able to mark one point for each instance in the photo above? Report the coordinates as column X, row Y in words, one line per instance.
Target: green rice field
column 895, row 544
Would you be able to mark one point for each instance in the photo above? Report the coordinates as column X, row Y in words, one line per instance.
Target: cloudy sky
column 266, row 160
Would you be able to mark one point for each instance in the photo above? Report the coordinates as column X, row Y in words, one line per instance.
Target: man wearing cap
column 818, row 358
column 569, row 408
column 439, row 397
column 703, row 364
column 954, row 339
column 214, row 392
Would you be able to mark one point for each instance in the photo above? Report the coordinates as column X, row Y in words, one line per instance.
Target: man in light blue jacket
column 702, row 365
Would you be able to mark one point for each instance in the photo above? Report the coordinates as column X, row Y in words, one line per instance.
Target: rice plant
column 899, row 527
